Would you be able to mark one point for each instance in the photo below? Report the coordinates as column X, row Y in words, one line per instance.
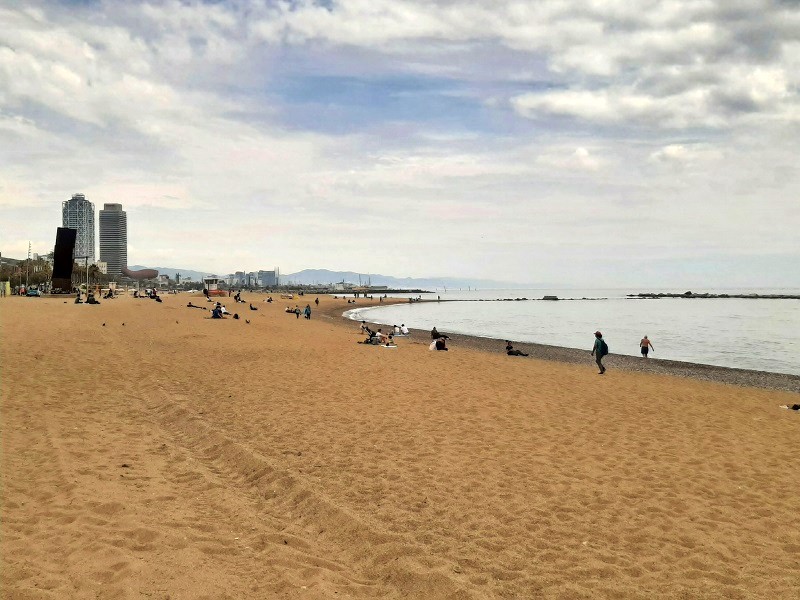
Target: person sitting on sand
column 216, row 313
column 390, row 341
column 511, row 352
column 404, row 329
column 792, row 407
column 252, row 307
column 646, row 345
column 190, row 305
column 380, row 336
column 441, row 343
column 435, row 335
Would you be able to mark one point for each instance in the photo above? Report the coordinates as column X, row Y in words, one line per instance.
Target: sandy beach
column 150, row 452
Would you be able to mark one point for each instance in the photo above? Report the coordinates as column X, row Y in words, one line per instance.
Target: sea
column 748, row 333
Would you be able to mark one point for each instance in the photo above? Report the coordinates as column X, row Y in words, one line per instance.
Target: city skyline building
column 78, row 213
column 114, row 238
column 269, row 278
column 253, row 279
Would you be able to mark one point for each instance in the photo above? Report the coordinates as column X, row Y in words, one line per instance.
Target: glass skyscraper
column 78, row 213
column 114, row 238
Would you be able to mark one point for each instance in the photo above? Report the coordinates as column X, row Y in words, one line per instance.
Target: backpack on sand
column 603, row 347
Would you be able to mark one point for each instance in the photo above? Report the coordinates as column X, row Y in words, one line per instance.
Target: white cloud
column 682, row 154
column 622, row 55
column 579, row 159
column 585, row 122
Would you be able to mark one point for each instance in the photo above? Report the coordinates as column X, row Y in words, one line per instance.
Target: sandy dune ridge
column 180, row 457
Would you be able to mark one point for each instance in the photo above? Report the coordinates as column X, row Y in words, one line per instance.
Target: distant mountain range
column 324, row 276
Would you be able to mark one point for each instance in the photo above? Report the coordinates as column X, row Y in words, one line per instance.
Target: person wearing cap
column 599, row 350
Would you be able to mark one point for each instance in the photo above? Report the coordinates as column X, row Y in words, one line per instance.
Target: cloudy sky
column 570, row 142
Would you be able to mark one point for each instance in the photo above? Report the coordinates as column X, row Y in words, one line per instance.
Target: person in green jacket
column 599, row 350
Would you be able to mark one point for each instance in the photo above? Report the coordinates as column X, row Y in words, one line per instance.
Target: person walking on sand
column 599, row 350
column 646, row 345
column 307, row 311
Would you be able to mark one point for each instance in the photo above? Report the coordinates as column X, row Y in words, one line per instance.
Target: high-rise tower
column 78, row 213
column 114, row 238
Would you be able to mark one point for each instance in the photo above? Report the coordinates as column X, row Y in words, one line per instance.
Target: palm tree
column 94, row 273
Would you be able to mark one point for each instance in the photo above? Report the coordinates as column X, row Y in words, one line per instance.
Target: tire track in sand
column 329, row 543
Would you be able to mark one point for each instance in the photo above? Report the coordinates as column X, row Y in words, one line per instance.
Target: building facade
column 78, row 213
column 114, row 238
column 269, row 279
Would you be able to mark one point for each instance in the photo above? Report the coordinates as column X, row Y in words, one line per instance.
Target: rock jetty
column 648, row 295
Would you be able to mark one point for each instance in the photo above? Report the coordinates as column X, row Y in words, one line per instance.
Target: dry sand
column 180, row 457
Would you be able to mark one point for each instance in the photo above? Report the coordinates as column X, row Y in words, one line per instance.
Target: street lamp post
column 86, row 266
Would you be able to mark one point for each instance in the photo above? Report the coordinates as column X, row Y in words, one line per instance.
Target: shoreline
column 730, row 375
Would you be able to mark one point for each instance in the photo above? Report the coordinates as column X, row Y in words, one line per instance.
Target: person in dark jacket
column 599, row 350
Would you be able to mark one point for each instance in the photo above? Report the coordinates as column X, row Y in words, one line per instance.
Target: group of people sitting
column 377, row 338
column 439, row 340
column 90, row 299
column 306, row 312
column 219, row 312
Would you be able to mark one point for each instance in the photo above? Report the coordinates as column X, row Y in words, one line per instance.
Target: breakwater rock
column 651, row 296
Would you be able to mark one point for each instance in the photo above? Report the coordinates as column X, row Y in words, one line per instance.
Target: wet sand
column 180, row 457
